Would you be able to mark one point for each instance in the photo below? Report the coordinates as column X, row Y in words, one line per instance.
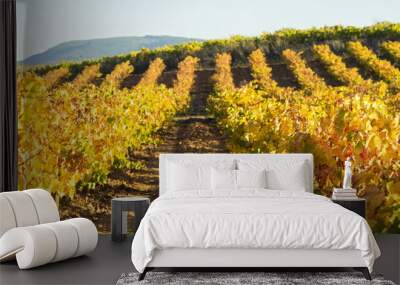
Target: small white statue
column 347, row 174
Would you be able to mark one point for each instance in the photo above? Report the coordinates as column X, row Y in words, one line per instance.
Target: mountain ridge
column 79, row 50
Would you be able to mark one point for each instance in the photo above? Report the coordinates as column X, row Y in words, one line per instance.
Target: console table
column 119, row 210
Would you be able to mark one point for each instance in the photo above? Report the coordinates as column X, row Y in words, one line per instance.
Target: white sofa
column 31, row 230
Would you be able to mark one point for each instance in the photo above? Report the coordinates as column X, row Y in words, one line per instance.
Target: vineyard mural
column 90, row 130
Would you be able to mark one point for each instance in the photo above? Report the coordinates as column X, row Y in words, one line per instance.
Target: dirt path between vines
column 194, row 131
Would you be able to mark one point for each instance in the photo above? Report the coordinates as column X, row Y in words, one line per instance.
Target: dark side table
column 119, row 210
column 357, row 205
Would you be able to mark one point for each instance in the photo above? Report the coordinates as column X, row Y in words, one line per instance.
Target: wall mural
column 90, row 130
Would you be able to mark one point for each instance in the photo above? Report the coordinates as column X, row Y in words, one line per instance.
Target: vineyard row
column 334, row 64
column 361, row 120
column 72, row 134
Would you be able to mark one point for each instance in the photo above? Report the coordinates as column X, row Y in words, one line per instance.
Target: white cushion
column 189, row 177
column 290, row 175
column 7, row 220
column 184, row 174
column 23, row 208
column 251, row 178
column 32, row 246
column 67, row 240
column 27, row 208
column 45, row 205
column 40, row 244
column 87, row 234
column 223, row 179
column 219, row 164
column 31, row 232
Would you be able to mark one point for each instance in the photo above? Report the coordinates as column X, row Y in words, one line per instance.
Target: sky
column 42, row 24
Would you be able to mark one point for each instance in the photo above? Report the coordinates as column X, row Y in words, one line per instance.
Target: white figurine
column 347, row 174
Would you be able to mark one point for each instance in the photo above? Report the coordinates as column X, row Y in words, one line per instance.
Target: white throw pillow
column 288, row 175
column 251, row 178
column 293, row 180
column 188, row 177
column 193, row 174
column 223, row 179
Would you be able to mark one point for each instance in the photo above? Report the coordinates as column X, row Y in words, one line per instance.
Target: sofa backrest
column 26, row 208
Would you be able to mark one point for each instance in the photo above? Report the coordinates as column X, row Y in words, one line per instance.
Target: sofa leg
column 143, row 274
column 364, row 271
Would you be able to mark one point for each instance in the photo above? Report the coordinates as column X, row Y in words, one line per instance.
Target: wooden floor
column 110, row 259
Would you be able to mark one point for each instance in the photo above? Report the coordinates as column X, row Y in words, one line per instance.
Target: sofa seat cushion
column 40, row 244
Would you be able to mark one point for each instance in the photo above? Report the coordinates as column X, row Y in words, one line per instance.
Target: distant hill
column 97, row 48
